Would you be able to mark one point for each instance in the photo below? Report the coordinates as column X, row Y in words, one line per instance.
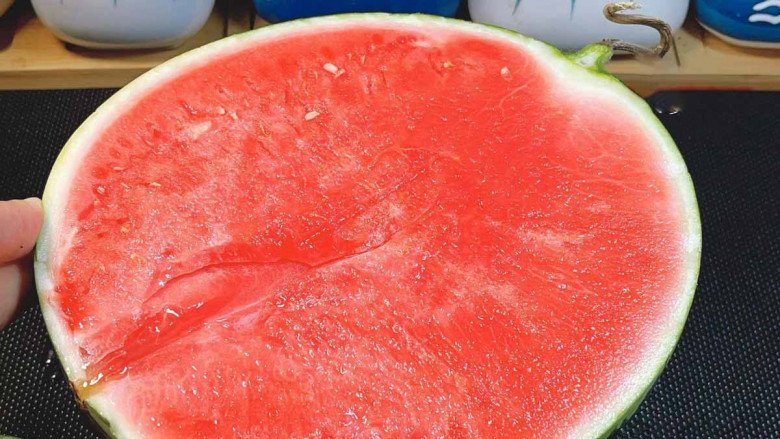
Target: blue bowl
column 744, row 22
column 283, row 10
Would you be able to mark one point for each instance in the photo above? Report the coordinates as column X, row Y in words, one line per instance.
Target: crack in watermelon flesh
column 387, row 231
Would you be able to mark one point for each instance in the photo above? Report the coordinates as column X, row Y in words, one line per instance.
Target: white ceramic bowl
column 572, row 24
column 4, row 5
column 123, row 24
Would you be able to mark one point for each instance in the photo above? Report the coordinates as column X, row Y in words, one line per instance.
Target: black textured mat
column 724, row 378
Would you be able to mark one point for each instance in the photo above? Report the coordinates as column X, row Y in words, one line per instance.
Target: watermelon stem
column 593, row 56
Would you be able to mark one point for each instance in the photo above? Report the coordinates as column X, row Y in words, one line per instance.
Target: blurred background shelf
column 32, row 58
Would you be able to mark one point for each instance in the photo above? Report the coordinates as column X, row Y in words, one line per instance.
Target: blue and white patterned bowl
column 283, row 10
column 754, row 23
column 572, row 24
column 124, row 24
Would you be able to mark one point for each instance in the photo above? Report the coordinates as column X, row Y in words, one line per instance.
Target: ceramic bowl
column 572, row 24
column 123, row 24
column 283, row 10
column 752, row 23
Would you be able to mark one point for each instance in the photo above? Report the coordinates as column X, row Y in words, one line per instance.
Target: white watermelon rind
column 572, row 77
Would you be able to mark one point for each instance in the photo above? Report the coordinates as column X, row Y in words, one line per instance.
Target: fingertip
column 20, row 224
column 34, row 202
column 35, row 215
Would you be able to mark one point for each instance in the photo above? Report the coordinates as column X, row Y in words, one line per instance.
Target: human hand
column 20, row 222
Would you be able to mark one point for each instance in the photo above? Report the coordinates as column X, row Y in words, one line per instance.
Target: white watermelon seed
column 330, row 68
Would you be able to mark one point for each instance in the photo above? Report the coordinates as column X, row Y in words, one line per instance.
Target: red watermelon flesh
column 367, row 228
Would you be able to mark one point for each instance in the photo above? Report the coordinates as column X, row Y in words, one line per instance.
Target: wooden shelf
column 32, row 58
column 706, row 62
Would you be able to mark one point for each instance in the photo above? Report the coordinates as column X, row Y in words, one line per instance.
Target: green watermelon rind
column 569, row 69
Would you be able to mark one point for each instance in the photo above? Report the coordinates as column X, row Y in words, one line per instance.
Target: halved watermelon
column 368, row 226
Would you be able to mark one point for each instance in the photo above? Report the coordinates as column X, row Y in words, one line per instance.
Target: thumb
column 20, row 222
column 14, row 280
